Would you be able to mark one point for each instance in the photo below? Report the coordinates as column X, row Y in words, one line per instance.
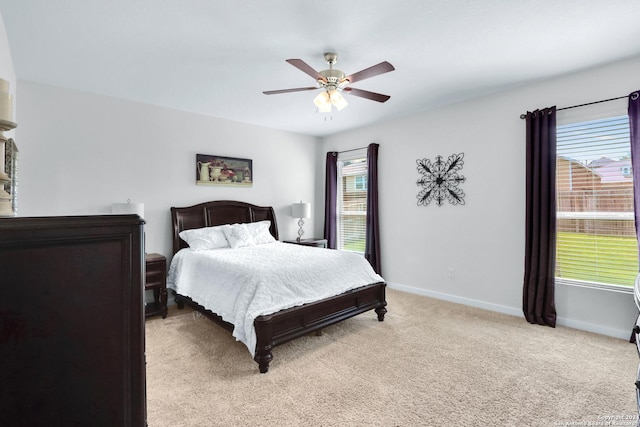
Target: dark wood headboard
column 218, row 212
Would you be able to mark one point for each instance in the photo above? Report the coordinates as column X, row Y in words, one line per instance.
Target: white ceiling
column 215, row 57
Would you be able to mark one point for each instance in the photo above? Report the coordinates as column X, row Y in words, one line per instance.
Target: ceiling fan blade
column 306, row 68
column 366, row 94
column 299, row 89
column 381, row 68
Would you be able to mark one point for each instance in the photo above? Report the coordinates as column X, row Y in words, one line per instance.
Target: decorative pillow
column 238, row 235
column 200, row 239
column 260, row 233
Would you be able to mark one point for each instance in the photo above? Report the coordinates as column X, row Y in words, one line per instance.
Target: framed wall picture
column 220, row 170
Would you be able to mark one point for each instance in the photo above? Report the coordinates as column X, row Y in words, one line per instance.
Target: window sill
column 352, row 251
column 593, row 285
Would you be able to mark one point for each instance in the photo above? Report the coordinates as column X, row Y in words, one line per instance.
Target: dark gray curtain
column 331, row 199
column 372, row 242
column 634, row 130
column 540, row 236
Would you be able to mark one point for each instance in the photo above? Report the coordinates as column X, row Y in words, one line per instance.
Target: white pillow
column 260, row 233
column 238, row 236
column 200, row 239
column 248, row 234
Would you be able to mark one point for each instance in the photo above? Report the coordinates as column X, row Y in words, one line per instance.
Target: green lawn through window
column 603, row 259
column 357, row 246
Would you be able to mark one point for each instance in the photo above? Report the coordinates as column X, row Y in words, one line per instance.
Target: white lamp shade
column 6, row 102
column 301, row 210
column 128, row 208
column 323, row 102
column 338, row 100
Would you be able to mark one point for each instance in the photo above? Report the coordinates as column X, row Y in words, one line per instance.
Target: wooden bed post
column 264, row 343
column 380, row 309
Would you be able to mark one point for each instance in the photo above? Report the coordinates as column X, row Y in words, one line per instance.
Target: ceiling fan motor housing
column 334, row 79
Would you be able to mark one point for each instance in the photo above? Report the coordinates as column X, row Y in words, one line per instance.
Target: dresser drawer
column 154, row 278
column 156, row 269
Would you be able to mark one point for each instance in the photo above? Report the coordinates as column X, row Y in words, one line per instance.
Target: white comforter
column 244, row 283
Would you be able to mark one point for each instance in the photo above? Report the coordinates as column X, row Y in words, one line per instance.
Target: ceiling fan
column 334, row 81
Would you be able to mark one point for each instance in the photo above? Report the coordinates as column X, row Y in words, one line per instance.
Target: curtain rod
column 353, row 149
column 524, row 116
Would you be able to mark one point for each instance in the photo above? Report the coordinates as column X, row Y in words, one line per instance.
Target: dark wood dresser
column 72, row 321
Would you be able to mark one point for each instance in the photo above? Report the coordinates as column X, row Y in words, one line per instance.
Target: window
column 352, row 201
column 596, row 240
column 361, row 182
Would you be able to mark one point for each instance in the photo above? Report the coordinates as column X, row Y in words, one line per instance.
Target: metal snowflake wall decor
column 440, row 180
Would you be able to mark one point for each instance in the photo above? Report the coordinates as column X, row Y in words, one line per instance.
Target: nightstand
column 156, row 280
column 317, row 243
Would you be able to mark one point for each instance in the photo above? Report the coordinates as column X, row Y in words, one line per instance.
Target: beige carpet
column 430, row 363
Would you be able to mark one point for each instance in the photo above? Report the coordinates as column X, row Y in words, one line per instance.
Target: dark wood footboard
column 285, row 325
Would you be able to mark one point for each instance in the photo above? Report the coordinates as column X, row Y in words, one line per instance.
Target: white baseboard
column 569, row 323
column 460, row 300
column 596, row 329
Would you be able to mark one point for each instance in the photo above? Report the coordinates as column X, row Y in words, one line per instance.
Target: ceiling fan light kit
column 333, row 81
column 324, row 101
column 337, row 100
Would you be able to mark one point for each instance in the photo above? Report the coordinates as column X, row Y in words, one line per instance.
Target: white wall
column 6, row 63
column 482, row 241
column 79, row 153
column 7, row 73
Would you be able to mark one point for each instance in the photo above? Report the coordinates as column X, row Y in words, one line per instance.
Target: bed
column 286, row 324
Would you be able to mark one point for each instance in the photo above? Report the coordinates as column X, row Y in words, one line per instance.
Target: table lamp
column 301, row 210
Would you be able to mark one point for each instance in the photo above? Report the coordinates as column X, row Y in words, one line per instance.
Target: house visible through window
column 360, row 182
column 352, row 201
column 596, row 239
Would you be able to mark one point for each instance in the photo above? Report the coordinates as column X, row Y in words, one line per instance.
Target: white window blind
column 352, row 201
column 596, row 240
